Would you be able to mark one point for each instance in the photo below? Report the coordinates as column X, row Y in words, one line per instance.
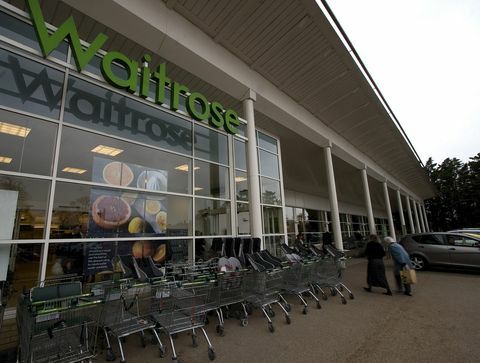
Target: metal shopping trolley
column 125, row 312
column 262, row 290
column 57, row 324
column 179, row 307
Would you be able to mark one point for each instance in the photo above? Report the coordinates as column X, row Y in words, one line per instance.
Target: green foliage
column 457, row 204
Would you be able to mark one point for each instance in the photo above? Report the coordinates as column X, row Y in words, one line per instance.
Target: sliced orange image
column 118, row 173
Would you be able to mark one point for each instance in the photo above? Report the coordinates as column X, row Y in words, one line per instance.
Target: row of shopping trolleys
column 65, row 322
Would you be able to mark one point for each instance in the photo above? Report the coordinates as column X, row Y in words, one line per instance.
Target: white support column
column 409, row 213
column 415, row 212
column 368, row 202
column 252, row 167
column 425, row 216
column 332, row 194
column 391, row 226
column 402, row 217
column 422, row 222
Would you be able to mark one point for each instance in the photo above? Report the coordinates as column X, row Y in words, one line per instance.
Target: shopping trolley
column 179, row 307
column 57, row 324
column 125, row 312
column 262, row 291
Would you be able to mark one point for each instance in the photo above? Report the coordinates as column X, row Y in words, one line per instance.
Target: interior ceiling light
column 184, row 167
column 5, row 160
column 73, row 170
column 239, row 179
column 15, row 130
column 106, row 150
column 198, row 188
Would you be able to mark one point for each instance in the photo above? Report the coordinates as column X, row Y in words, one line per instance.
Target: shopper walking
column 376, row 268
column 401, row 260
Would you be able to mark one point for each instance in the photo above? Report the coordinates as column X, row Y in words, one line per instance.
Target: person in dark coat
column 376, row 269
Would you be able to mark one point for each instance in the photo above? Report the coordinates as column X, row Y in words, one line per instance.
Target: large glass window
column 240, row 155
column 271, row 191
column 211, row 145
column 21, row 32
column 267, row 142
column 28, row 85
column 83, row 211
column 212, row 217
column 26, row 144
column 268, row 164
column 211, row 180
column 241, row 185
column 272, row 219
column 91, row 157
column 26, row 200
column 95, row 107
column 243, row 218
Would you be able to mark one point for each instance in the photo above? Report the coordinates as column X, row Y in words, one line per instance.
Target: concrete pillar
column 427, row 227
column 409, row 213
column 391, row 226
column 332, row 194
column 400, row 209
column 422, row 222
column 252, row 167
column 415, row 212
column 368, row 202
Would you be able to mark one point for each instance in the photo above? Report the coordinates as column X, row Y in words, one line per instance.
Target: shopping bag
column 409, row 276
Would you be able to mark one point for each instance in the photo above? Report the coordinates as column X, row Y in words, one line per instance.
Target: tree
column 458, row 201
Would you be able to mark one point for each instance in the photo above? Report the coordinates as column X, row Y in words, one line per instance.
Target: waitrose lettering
column 198, row 107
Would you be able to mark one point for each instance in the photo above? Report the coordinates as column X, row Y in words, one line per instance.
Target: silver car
column 442, row 248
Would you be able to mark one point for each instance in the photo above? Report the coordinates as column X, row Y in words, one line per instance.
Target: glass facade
column 89, row 172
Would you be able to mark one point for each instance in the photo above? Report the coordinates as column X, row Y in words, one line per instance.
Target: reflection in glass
column 211, row 180
column 211, row 145
column 268, row 164
column 266, row 142
column 271, row 191
column 26, row 200
column 241, row 185
column 28, row 85
column 212, row 217
column 92, row 106
column 82, row 211
column 19, row 269
column 135, row 166
column 240, row 155
column 26, row 144
column 273, row 243
column 243, row 218
column 272, row 220
column 19, row 31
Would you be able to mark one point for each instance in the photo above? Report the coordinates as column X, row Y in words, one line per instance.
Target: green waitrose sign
column 216, row 114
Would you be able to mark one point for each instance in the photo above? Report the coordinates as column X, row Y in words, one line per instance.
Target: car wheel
column 418, row 262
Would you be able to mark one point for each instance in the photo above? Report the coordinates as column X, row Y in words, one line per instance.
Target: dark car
column 442, row 249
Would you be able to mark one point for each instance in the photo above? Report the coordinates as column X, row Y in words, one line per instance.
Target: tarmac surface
column 439, row 323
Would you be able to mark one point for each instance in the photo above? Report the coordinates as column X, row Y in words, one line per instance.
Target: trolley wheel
column 162, row 351
column 287, row 319
column 110, row 355
column 271, row 327
column 174, row 360
column 194, row 341
column 244, row 322
column 211, row 354
column 344, row 301
column 220, row 330
column 351, row 296
column 287, row 307
column 318, row 305
column 305, row 311
column 123, row 361
column 324, row 296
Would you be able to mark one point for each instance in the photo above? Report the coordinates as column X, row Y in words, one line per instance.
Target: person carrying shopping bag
column 401, row 260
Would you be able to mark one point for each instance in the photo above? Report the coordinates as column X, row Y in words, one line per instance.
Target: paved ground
column 440, row 323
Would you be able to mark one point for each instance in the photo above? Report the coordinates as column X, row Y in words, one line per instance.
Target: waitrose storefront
column 103, row 152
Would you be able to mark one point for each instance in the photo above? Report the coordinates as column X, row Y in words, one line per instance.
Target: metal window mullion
column 233, row 191
column 44, row 254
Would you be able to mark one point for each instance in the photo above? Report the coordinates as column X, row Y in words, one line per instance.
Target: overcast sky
column 424, row 56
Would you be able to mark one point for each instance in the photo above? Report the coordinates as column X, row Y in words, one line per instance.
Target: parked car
column 473, row 232
column 442, row 249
